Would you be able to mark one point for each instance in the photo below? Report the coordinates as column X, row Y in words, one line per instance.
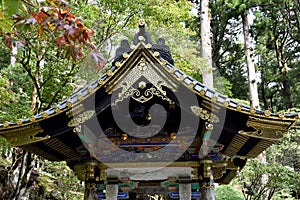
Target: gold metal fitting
column 142, row 85
column 180, row 78
column 109, row 73
column 125, row 55
column 226, row 103
column 57, row 110
column 91, row 90
column 19, row 122
column 202, row 92
column 77, row 129
column 132, row 46
column 148, row 46
column 209, row 126
column 141, row 22
column 80, row 97
column 91, row 169
column 32, row 118
column 239, row 108
column 124, row 136
column 118, row 64
column 156, row 54
column 214, row 99
column 5, row 124
column 100, row 82
column 191, row 85
column 281, row 114
column 141, row 38
column 45, row 115
column 252, row 110
column 267, row 113
column 171, row 70
column 148, row 117
column 173, row 135
column 69, row 104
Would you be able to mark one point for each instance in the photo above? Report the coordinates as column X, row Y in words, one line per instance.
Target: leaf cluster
column 265, row 180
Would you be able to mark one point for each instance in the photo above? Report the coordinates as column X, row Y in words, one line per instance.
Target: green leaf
column 12, row 6
column 257, row 14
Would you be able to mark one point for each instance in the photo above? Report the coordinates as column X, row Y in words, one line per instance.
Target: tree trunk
column 283, row 69
column 206, row 51
column 14, row 51
column 252, row 80
column 263, row 90
column 288, row 102
column 17, row 175
column 24, row 163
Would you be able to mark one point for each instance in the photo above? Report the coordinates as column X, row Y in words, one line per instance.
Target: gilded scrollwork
column 218, row 172
column 142, row 69
column 143, row 96
column 81, row 118
column 24, row 135
column 205, row 114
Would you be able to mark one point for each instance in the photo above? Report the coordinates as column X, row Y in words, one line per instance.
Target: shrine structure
column 145, row 127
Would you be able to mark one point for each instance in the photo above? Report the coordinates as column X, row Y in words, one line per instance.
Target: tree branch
column 62, row 86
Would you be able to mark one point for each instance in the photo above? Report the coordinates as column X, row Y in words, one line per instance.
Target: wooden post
column 112, row 191
column 185, row 191
column 90, row 191
column 206, row 179
column 208, row 193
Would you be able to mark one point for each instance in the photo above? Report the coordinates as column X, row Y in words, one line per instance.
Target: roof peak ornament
column 144, row 36
column 142, row 33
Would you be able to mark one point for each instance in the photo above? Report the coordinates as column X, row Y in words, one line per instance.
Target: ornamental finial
column 142, row 33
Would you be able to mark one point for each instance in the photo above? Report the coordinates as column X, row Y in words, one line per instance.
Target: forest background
column 47, row 46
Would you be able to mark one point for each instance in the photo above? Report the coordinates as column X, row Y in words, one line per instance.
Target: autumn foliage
column 54, row 22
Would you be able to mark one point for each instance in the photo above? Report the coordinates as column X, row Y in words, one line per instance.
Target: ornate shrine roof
column 240, row 132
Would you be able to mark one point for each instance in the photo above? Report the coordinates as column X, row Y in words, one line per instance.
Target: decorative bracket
column 266, row 129
column 24, row 135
